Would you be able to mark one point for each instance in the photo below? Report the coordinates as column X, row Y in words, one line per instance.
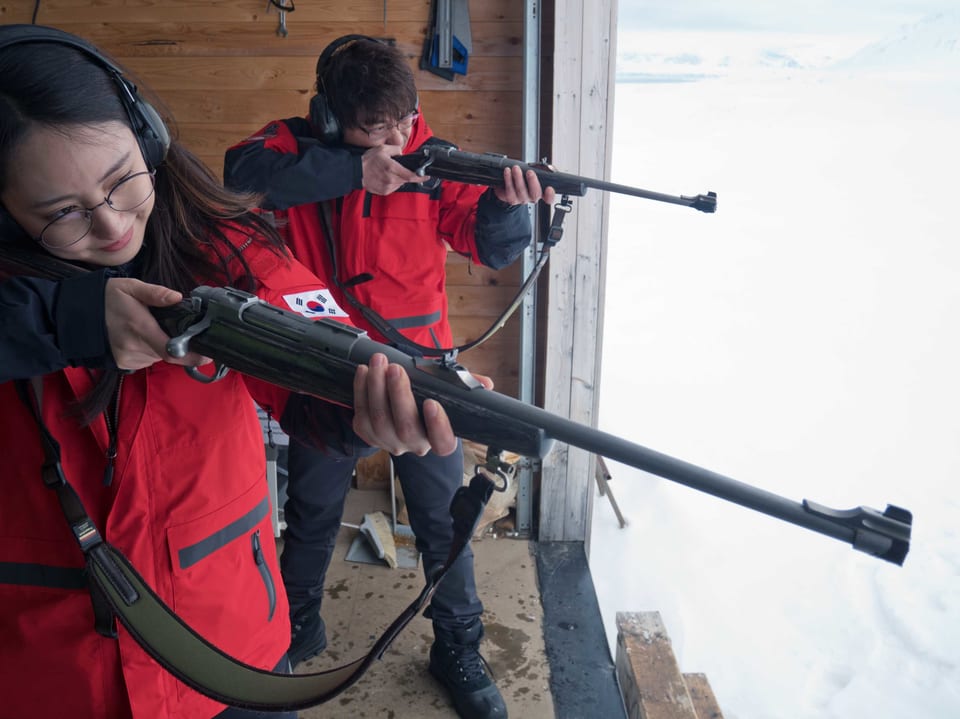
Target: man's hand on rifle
column 386, row 415
column 136, row 339
column 519, row 190
column 382, row 174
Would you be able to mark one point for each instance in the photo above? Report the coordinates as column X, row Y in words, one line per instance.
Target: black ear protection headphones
column 325, row 124
column 151, row 133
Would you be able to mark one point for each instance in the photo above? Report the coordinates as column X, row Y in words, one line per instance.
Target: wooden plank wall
column 222, row 71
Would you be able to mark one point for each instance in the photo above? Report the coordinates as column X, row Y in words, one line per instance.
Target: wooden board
column 703, row 697
column 282, row 72
column 55, row 12
column 647, row 670
column 258, row 38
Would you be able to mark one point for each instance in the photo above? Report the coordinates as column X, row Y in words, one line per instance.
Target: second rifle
column 448, row 163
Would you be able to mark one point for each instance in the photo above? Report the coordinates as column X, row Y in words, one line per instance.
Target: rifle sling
column 119, row 589
column 398, row 340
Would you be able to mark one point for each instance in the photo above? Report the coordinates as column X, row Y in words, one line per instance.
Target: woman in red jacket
column 171, row 471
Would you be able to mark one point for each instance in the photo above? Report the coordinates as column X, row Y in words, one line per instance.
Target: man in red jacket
column 381, row 234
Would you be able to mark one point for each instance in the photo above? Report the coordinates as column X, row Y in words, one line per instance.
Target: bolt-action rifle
column 319, row 357
column 441, row 161
column 448, row 163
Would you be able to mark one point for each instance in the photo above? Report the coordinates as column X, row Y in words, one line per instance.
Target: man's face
column 394, row 132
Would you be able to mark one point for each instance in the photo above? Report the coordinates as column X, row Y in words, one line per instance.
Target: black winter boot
column 456, row 663
column 308, row 635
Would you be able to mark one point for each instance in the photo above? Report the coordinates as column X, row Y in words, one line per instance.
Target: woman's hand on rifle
column 136, row 340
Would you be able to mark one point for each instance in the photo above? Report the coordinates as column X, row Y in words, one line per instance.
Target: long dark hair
column 188, row 235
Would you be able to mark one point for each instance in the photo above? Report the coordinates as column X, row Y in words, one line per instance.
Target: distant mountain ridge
column 932, row 43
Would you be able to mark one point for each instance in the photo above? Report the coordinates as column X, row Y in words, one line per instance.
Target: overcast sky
column 817, row 16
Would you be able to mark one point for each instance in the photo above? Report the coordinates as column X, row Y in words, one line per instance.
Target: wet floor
column 363, row 599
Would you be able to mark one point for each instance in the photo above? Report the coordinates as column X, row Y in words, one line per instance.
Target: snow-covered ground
column 804, row 340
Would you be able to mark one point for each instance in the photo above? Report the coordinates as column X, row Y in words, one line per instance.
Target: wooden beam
column 647, row 670
column 583, row 76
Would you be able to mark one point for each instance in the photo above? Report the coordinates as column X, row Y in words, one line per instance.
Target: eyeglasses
column 380, row 132
column 74, row 224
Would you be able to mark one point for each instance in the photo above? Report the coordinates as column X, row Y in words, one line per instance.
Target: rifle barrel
column 704, row 203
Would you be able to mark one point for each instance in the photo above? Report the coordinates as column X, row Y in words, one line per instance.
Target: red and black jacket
column 390, row 249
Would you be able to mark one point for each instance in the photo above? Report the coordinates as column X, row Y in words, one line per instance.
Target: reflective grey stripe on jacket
column 237, row 528
column 403, row 323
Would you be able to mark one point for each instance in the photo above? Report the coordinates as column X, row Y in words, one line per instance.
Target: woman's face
column 55, row 175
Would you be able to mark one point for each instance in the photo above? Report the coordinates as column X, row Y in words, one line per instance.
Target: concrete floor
column 362, row 599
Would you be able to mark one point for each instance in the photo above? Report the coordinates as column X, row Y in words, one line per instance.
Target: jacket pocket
column 223, row 583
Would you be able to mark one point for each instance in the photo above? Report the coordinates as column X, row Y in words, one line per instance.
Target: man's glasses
column 381, row 131
column 73, row 225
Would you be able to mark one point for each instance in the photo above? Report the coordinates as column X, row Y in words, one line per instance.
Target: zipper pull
column 264, row 570
column 257, row 549
column 113, row 420
column 111, row 462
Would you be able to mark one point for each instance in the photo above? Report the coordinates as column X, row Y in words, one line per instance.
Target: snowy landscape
column 803, row 340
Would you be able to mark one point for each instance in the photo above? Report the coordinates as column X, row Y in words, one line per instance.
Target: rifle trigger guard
column 179, row 346
column 422, row 170
column 196, row 374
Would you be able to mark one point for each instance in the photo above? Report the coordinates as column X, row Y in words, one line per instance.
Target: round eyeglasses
column 381, row 131
column 74, row 224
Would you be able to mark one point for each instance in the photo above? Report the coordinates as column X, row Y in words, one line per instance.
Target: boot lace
column 471, row 664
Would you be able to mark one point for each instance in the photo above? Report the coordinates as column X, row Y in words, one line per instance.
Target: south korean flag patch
column 314, row 303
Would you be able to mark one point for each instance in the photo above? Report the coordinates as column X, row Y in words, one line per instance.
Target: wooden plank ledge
column 650, row 678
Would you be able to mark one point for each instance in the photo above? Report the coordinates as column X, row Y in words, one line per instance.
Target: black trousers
column 317, row 487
